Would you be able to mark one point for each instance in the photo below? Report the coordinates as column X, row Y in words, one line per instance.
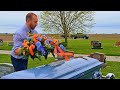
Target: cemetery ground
column 81, row 46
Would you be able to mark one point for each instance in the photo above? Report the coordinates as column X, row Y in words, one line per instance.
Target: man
column 20, row 62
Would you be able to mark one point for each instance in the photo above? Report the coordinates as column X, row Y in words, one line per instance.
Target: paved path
column 4, row 52
column 108, row 58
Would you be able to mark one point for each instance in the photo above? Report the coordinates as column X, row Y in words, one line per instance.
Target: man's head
column 31, row 20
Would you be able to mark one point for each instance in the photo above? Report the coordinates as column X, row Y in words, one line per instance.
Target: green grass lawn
column 4, row 58
column 5, row 46
column 112, row 67
column 82, row 46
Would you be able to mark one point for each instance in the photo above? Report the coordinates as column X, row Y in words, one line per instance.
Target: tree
column 66, row 22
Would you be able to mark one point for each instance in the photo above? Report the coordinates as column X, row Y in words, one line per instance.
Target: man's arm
column 17, row 51
column 17, row 43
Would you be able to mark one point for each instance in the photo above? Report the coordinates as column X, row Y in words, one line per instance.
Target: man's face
column 33, row 22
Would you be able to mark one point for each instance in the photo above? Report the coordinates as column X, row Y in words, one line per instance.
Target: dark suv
column 79, row 35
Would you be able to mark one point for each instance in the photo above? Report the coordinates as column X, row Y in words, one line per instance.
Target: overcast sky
column 107, row 18
column 14, row 17
column 106, row 21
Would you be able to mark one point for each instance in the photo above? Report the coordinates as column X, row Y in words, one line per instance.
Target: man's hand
column 17, row 51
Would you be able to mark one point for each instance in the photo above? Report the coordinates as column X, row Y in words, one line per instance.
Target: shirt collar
column 26, row 28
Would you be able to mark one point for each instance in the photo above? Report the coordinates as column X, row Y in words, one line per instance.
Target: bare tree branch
column 66, row 22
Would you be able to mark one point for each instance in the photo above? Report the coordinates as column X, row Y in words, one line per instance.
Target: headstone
column 1, row 42
column 117, row 43
column 96, row 45
column 10, row 43
column 6, row 68
column 99, row 56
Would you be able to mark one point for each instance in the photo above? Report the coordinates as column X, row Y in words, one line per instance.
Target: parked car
column 78, row 35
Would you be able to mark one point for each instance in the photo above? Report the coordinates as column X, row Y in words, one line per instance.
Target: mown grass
column 82, row 46
column 5, row 58
column 112, row 67
column 5, row 46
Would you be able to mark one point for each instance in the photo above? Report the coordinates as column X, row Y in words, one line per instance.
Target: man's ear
column 28, row 20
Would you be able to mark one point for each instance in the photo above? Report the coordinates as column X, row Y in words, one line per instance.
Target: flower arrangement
column 37, row 45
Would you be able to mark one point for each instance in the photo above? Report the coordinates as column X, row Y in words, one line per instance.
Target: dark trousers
column 19, row 64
